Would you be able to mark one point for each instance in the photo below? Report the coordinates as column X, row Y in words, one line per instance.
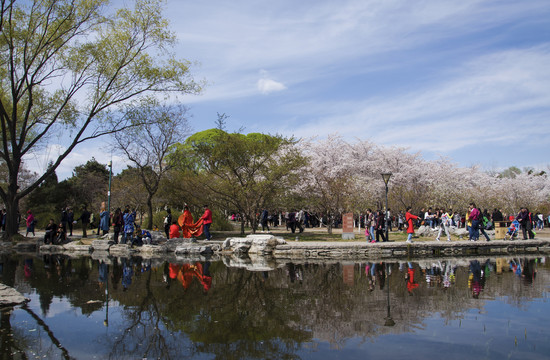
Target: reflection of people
column 411, row 284
column 186, row 272
column 476, row 278
column 103, row 273
column 28, row 268
column 207, row 221
column 127, row 273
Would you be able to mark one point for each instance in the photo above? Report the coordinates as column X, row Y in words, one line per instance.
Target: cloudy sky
column 468, row 80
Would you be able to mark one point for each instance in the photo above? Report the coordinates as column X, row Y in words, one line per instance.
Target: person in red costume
column 207, row 221
column 188, row 228
column 174, row 230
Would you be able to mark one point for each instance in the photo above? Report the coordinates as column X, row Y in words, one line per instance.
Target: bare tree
column 146, row 146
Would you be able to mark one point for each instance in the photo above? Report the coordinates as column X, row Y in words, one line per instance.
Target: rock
column 424, row 231
column 194, row 249
column 25, row 247
column 74, row 247
column 254, row 244
column 51, row 248
column 10, row 297
column 151, row 249
column 102, row 245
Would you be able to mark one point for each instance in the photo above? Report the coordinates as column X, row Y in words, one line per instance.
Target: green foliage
column 69, row 68
column 236, row 171
column 220, row 222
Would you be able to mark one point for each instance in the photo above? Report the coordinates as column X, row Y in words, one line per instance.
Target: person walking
column 207, row 221
column 474, row 217
column 524, row 219
column 263, row 220
column 167, row 223
column 445, row 219
column 64, row 217
column 30, row 223
column 118, row 224
column 129, row 219
column 70, row 220
column 85, row 219
column 104, row 222
column 380, row 223
column 410, row 219
column 369, row 224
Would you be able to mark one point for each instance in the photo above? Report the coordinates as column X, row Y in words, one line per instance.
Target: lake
column 134, row 308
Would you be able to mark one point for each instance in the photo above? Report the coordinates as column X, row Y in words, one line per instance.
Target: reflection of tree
column 8, row 345
column 50, row 334
column 273, row 314
column 143, row 336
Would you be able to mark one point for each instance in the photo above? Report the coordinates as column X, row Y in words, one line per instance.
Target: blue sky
column 468, row 80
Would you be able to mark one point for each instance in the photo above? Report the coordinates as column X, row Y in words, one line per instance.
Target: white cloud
column 267, row 86
column 499, row 97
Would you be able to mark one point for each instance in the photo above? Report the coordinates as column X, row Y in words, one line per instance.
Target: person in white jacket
column 445, row 224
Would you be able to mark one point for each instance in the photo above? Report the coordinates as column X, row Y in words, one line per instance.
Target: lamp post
column 109, row 192
column 386, row 177
column 389, row 321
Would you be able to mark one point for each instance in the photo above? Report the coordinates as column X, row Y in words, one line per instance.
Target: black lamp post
column 109, row 192
column 389, row 321
column 386, row 177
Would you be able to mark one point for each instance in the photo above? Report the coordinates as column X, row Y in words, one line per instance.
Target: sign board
column 347, row 226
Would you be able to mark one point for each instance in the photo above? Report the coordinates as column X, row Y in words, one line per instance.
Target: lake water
column 82, row 308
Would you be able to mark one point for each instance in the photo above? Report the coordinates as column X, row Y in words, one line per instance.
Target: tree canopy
column 70, row 66
column 240, row 172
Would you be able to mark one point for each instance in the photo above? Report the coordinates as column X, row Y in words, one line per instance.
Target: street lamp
column 109, row 192
column 386, row 177
column 389, row 321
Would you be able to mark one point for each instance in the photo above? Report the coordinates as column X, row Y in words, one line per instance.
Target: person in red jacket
column 410, row 224
column 207, row 221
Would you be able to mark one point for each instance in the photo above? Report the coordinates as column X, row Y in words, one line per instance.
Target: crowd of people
column 376, row 223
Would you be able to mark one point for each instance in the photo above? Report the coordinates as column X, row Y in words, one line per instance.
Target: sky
column 466, row 80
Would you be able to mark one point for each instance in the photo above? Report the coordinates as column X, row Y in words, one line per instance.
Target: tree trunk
column 242, row 226
column 150, row 212
column 253, row 223
column 12, row 214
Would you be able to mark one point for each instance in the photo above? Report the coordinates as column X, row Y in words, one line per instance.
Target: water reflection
column 147, row 308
